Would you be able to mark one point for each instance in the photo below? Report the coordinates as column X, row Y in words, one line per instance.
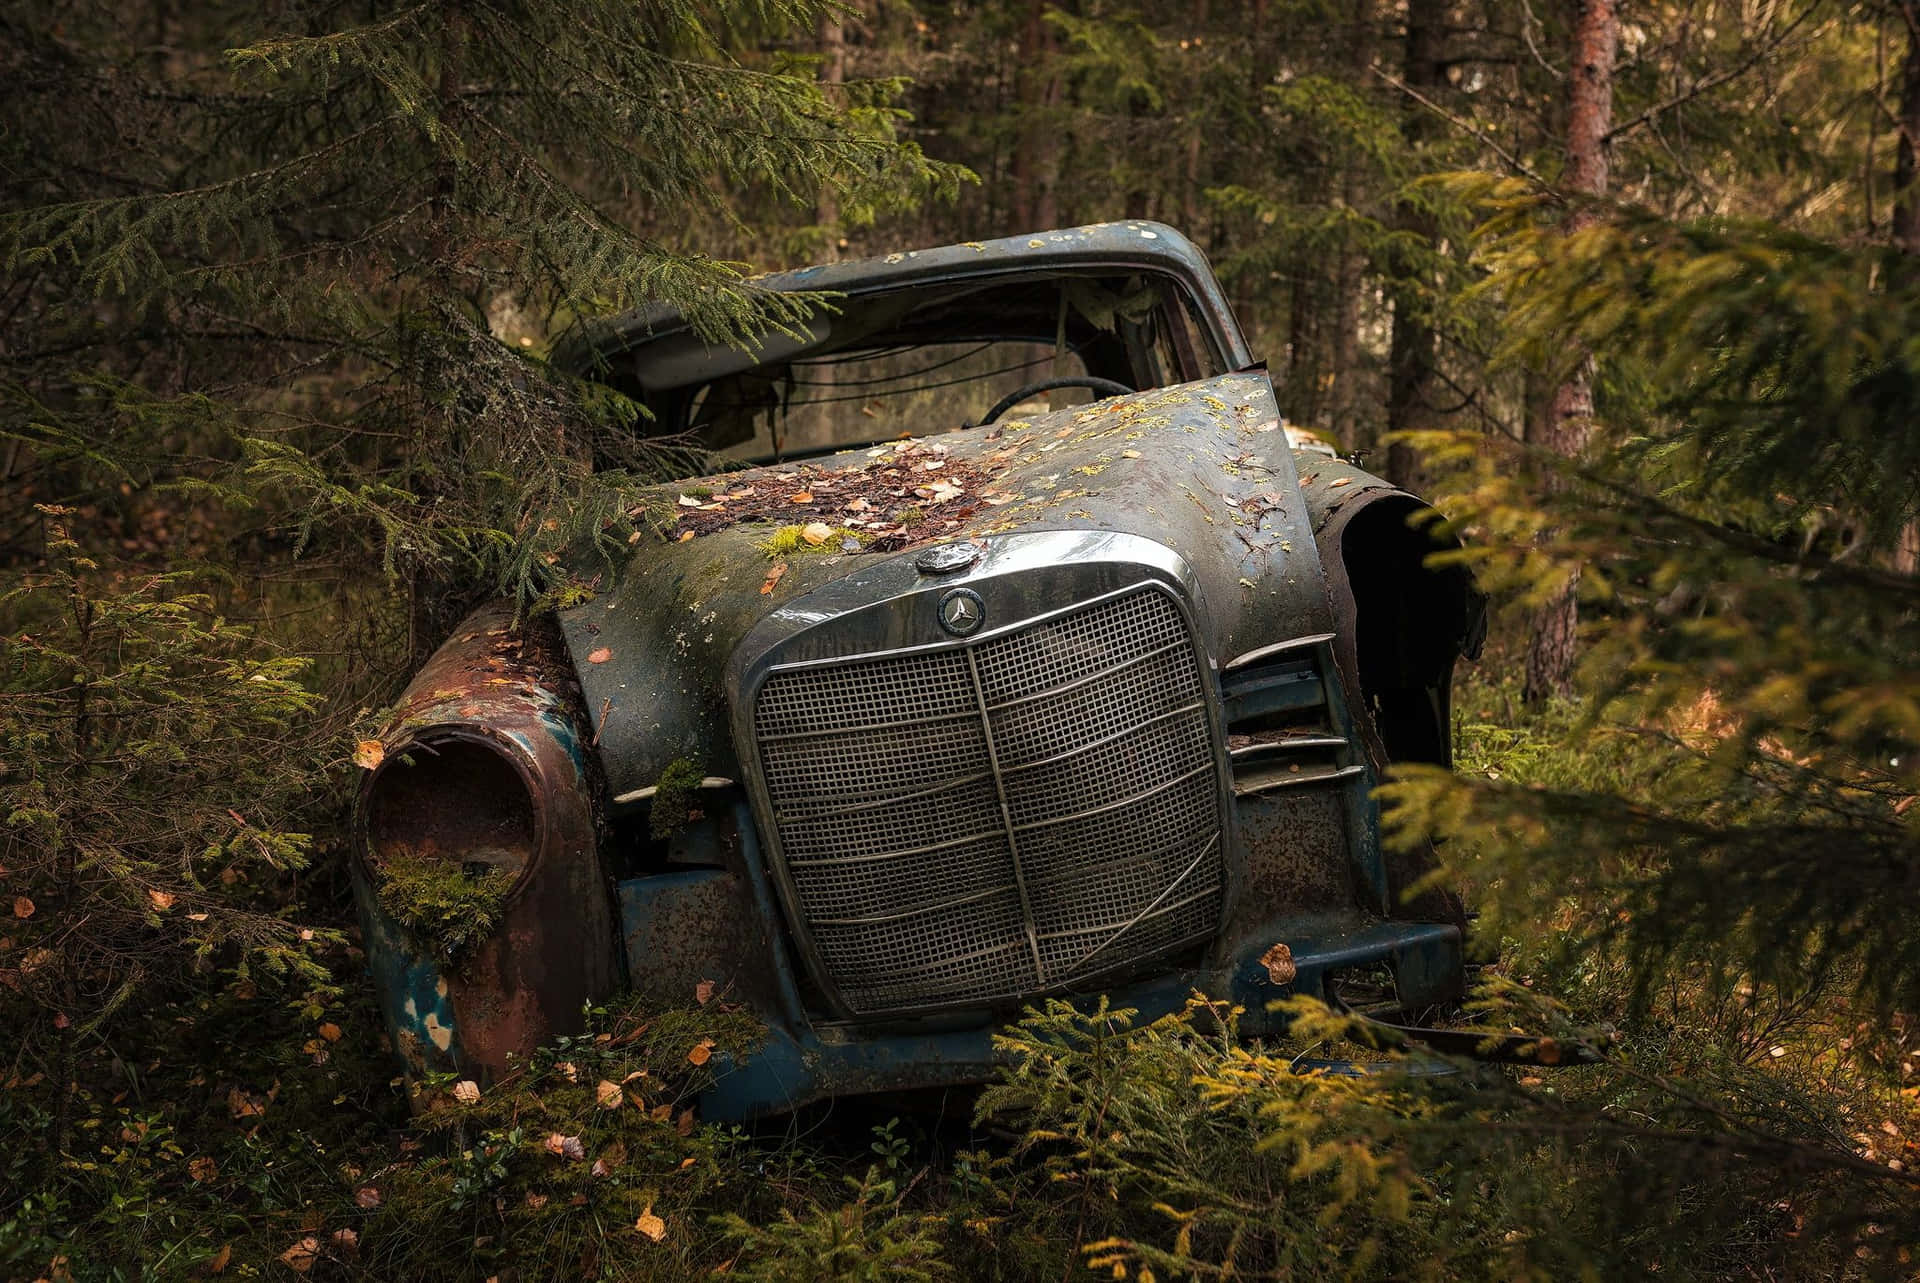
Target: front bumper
column 798, row 1065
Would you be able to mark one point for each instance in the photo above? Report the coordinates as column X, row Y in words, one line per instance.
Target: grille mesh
column 910, row 852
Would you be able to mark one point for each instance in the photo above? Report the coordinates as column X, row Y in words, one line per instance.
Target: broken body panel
column 1019, row 817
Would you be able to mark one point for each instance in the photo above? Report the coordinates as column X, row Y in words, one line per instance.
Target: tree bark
column 1035, row 155
column 1413, row 358
column 1343, row 418
column 1569, row 420
column 1906, row 194
column 831, row 42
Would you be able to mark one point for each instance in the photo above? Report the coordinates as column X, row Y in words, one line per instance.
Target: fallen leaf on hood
column 608, row 1094
column 702, row 1052
column 600, row 656
column 773, row 578
column 650, row 1225
column 816, row 532
column 368, row 754
column 467, row 1091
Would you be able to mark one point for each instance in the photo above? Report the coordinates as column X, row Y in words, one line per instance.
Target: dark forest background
column 1629, row 286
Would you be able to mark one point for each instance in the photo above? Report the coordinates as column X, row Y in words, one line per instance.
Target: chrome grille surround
column 974, row 821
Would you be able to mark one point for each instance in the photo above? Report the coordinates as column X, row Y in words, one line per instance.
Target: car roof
column 1134, row 244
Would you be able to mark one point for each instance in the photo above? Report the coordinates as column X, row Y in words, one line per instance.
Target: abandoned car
column 1009, row 651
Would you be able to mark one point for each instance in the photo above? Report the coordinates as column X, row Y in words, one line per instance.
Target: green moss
column 790, row 541
column 673, row 798
column 702, row 493
column 441, row 906
column 910, row 516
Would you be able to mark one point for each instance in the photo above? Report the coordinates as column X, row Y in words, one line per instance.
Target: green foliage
column 866, row 1239
column 441, row 906
column 144, row 841
column 1189, row 1153
column 672, row 803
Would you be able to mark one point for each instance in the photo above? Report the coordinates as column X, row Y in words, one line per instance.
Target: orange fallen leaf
column 218, row 1261
column 703, row 992
column 300, row 1257
column 368, row 754
column 467, row 1091
column 160, row 900
column 203, row 1169
column 196, row 917
column 608, row 1094
column 22, row 907
column 1279, row 964
column 367, row 1198
column 816, row 532
column 329, row 1031
column 684, row 1123
column 800, row 496
column 650, row 1225
column 702, row 1052
column 600, row 656
column 773, row 578
column 684, row 535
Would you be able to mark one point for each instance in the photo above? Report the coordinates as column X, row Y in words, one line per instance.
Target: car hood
column 1201, row 468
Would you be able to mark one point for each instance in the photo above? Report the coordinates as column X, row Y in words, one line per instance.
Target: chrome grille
column 1002, row 817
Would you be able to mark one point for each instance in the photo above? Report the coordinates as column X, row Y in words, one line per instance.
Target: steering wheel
column 1105, row 387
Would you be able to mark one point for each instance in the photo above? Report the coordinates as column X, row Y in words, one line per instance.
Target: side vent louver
column 1285, row 728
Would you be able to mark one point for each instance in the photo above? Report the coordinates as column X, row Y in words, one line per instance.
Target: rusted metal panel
column 510, row 686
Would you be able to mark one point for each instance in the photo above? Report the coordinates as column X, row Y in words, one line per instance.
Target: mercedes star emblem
column 946, row 558
column 962, row 612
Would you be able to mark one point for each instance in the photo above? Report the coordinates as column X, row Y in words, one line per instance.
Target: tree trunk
column 1343, row 354
column 1035, row 155
column 1414, row 353
column 1906, row 212
column 1569, row 419
column 1906, row 195
column 831, row 41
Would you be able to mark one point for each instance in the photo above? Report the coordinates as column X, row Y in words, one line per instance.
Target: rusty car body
column 883, row 738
